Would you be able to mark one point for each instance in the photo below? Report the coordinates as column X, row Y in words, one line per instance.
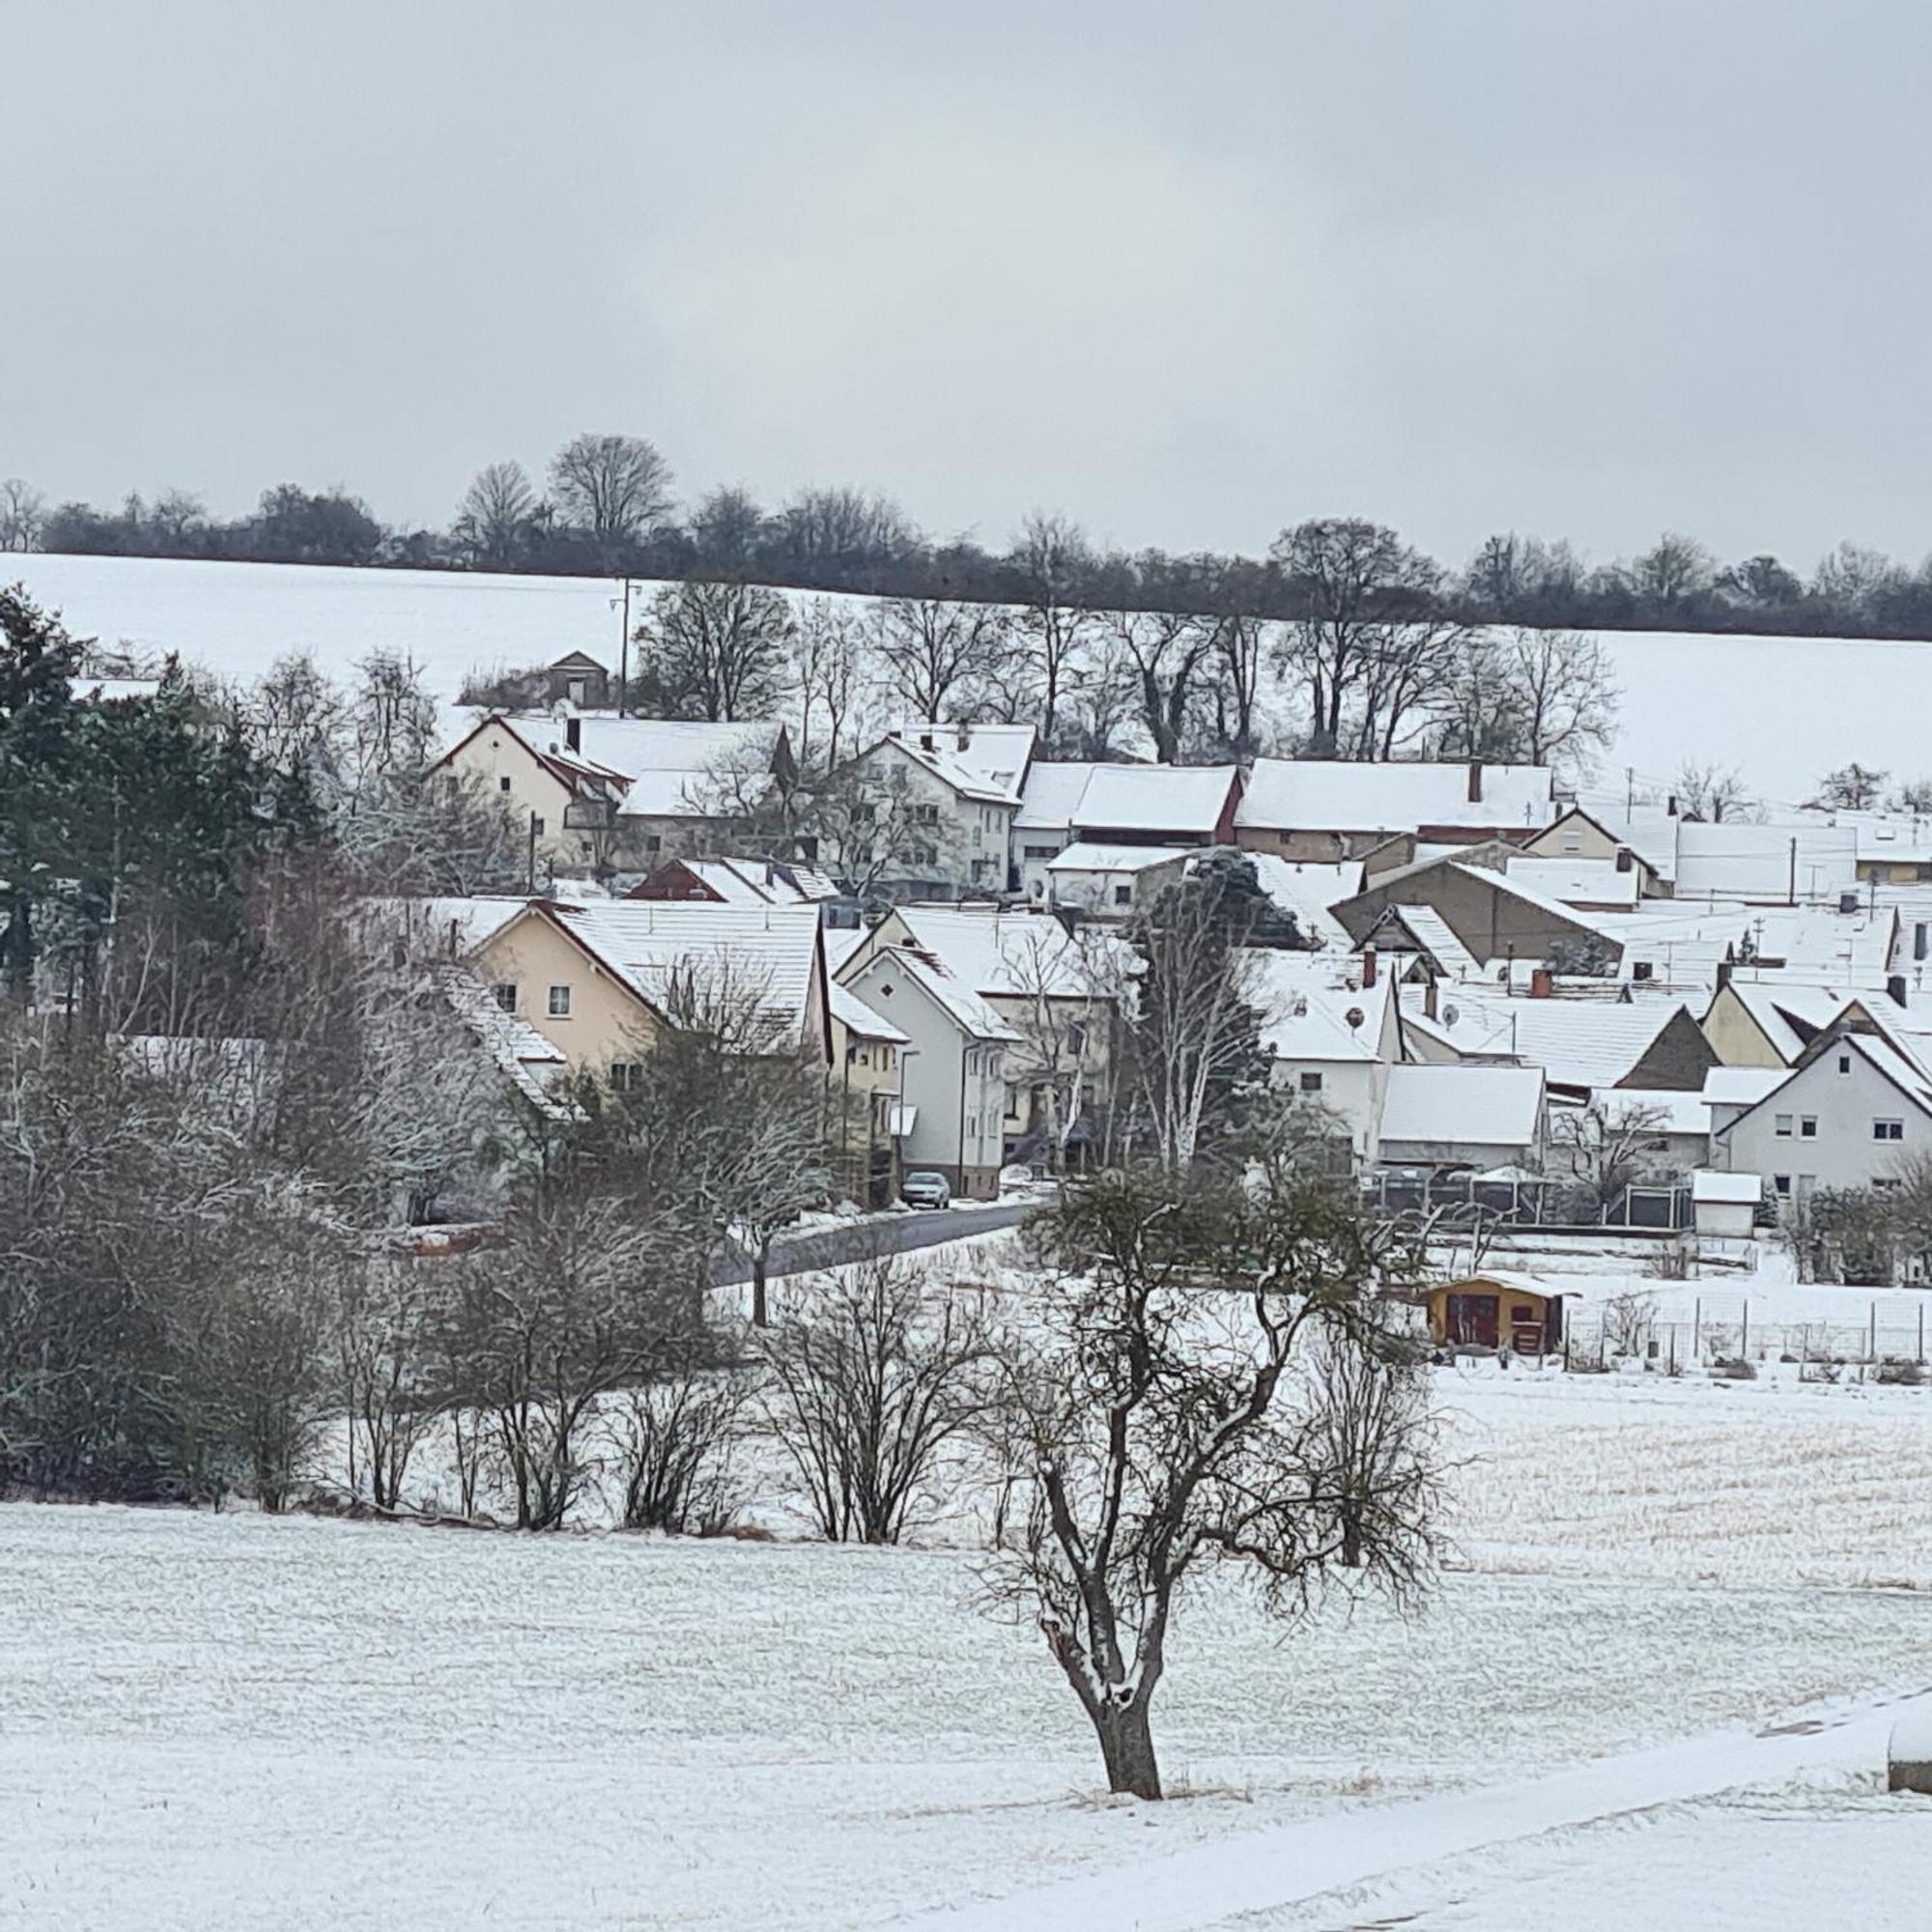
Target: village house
column 1052, row 988
column 597, row 792
column 951, row 1091
column 1332, row 1032
column 945, row 796
column 1483, row 1119
column 1492, row 915
column 1850, row 1113
column 1329, row 809
column 600, row 980
column 1133, row 808
column 868, row 1103
column 1646, row 835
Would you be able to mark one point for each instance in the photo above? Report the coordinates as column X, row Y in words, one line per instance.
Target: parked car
column 926, row 1190
column 1017, row 1176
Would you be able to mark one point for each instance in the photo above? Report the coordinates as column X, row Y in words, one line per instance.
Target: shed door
column 1472, row 1319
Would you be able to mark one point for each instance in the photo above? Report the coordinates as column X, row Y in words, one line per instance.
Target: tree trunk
column 1126, row 1743
column 761, row 1315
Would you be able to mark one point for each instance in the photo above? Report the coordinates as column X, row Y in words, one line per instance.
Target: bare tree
column 1207, row 1380
column 829, row 660
column 1719, row 797
column 615, row 488
column 840, row 525
column 674, row 1438
column 869, row 825
column 24, row 514
column 562, row 1311
column 383, row 1335
column 1192, row 1021
column 1055, row 563
column 1852, row 787
column 1066, row 1022
column 1166, row 651
column 175, row 519
column 1369, row 616
column 726, row 527
column 715, row 650
column 1563, row 690
column 1607, row 1147
column 1675, row 570
column 867, row 1385
column 492, row 522
column 932, row 648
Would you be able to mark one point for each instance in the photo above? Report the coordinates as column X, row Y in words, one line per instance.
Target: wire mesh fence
column 1724, row 1329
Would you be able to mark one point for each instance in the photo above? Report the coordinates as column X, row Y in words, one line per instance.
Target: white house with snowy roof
column 1332, row 809
column 946, row 797
column 1141, row 806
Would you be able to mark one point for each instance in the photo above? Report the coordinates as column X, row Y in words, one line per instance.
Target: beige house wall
column 493, row 755
column 607, row 1021
column 1735, row 1037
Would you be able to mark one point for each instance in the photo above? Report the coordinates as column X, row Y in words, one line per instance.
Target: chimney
column 963, row 738
column 573, row 733
column 1475, row 780
column 1626, row 859
column 1368, row 967
column 1429, row 997
column 1725, row 971
column 1895, row 987
column 1542, row 982
column 1673, row 805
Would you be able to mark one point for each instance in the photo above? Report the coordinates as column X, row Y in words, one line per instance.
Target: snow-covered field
column 218, row 1722
column 1705, row 700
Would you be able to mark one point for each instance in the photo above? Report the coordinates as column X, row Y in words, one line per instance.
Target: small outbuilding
column 1497, row 1310
column 1724, row 1205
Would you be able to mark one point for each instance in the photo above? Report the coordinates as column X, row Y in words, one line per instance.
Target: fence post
column 1921, row 1331
column 1670, row 1367
column 1697, row 1329
column 1744, row 1343
column 1872, row 1345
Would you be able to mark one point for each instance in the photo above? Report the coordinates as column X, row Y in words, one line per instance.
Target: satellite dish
column 1451, row 1014
column 1354, row 1016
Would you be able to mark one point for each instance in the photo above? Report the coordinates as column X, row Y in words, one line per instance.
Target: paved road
column 833, row 1248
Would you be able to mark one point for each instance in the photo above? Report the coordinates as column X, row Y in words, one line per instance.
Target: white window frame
column 559, row 1008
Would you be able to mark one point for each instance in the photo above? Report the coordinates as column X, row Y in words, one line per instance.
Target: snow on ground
column 1686, row 698
column 234, row 1721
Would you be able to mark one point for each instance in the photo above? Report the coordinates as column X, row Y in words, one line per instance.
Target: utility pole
column 624, row 653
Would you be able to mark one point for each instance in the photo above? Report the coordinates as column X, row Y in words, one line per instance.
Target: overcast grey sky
column 1189, row 272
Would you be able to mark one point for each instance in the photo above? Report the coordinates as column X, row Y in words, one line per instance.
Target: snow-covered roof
column 1086, row 858
column 764, row 951
column 1015, row 954
column 1340, row 795
column 1592, row 1044
column 1737, row 1189
column 524, row 1054
column 1684, row 943
column 447, row 927
column 969, row 1011
column 988, row 762
column 1647, row 827
column 856, row 1016
column 759, row 881
column 1053, row 796
column 1742, row 1086
column 1182, row 799
column 1463, row 1106
column 842, row 942
column 1431, row 930
column 1308, row 889
column 1307, row 1001
column 1591, row 882
column 1789, row 1015
column 1806, row 859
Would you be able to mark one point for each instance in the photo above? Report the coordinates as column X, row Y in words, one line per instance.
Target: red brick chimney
column 1625, row 858
column 1368, row 967
column 1475, row 780
column 1542, row 984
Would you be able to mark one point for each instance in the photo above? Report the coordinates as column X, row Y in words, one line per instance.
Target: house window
column 505, row 992
column 1887, row 1130
column 502, row 784
column 855, row 1055
column 577, row 692
column 559, row 1002
column 1076, row 1038
column 1781, row 1184
column 654, row 846
column 1644, row 969
column 1781, row 1126
column 1311, row 1083
column 924, row 814
column 1012, row 1102
column 1053, row 852
column 1844, row 1063
column 1573, row 841
column 1123, row 895
column 1807, row 1127
column 626, row 1075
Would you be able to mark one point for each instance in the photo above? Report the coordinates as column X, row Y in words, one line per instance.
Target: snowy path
column 1208, row 1886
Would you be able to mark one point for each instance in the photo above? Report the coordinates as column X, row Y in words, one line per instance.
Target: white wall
column 1842, row 1153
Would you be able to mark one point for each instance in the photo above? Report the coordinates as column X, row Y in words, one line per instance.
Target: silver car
column 926, row 1190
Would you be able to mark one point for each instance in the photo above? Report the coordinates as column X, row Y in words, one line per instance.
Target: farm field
column 1686, row 698
column 234, row 1721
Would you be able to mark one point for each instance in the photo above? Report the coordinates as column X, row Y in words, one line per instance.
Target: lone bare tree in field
column 615, row 488
column 495, row 514
column 1054, row 559
column 1208, row 1379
